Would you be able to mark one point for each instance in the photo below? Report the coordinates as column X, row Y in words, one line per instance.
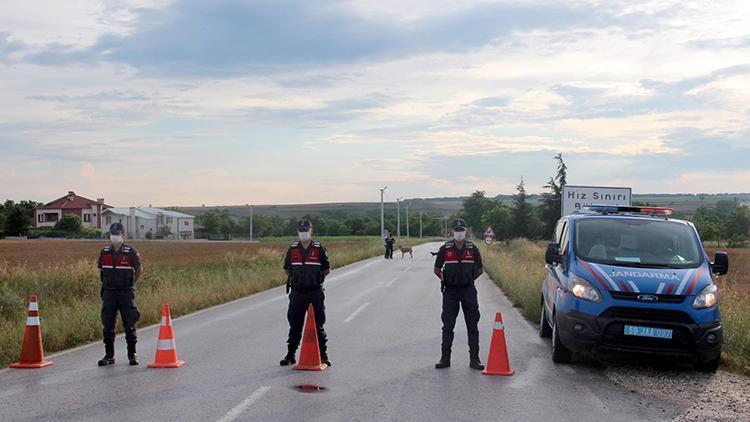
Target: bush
column 69, row 223
column 11, row 305
column 149, row 236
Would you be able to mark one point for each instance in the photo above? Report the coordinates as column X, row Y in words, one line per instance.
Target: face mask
column 304, row 236
column 116, row 239
column 459, row 235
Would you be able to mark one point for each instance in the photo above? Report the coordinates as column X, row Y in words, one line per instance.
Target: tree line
column 221, row 224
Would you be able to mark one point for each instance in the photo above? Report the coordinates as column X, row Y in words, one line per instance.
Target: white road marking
column 354, row 314
column 353, row 271
column 586, row 391
column 252, row 398
column 391, row 282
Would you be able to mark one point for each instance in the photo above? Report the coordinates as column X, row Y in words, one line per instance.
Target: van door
column 552, row 279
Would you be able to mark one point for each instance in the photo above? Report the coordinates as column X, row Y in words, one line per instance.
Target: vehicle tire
column 560, row 353
column 709, row 367
column 545, row 331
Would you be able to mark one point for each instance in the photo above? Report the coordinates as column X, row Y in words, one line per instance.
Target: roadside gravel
column 723, row 396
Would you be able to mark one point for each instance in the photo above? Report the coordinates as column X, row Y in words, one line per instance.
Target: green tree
column 738, row 224
column 550, row 208
column 69, row 224
column 18, row 217
column 211, row 221
column 521, row 214
column 499, row 218
column 474, row 207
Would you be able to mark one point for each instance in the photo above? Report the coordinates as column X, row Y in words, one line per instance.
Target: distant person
column 457, row 265
column 120, row 268
column 306, row 265
column 389, row 242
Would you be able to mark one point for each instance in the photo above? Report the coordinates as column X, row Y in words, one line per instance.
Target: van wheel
column 545, row 331
column 560, row 353
column 710, row 367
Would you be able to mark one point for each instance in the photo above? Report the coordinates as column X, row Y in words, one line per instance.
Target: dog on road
column 404, row 250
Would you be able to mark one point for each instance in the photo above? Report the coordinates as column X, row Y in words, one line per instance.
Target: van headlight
column 707, row 298
column 583, row 289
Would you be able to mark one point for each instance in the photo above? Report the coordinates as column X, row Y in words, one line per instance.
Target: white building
column 138, row 221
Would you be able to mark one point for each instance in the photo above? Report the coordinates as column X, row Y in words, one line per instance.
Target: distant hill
column 682, row 203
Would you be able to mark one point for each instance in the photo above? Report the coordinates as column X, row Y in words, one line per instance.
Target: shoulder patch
column 469, row 245
column 106, row 248
column 294, row 244
column 448, row 244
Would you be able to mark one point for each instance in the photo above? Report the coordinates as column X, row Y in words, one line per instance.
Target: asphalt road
column 384, row 339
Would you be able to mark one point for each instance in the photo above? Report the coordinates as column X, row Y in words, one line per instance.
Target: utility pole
column 407, row 220
column 420, row 224
column 398, row 217
column 382, row 220
column 251, row 222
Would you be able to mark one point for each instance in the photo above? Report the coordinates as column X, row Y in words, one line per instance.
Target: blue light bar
column 619, row 209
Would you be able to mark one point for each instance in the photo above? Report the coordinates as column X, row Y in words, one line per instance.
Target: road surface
column 384, row 339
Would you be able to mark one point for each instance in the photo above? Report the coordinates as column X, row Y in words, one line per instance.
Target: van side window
column 564, row 241
column 559, row 231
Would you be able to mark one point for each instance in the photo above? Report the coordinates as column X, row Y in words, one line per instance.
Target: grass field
column 518, row 268
column 187, row 275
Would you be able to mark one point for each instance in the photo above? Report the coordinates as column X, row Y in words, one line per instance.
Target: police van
column 631, row 279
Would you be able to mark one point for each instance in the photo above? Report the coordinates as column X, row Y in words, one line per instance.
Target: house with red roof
column 88, row 210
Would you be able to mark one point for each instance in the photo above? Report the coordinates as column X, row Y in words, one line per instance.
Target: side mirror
column 552, row 255
column 720, row 266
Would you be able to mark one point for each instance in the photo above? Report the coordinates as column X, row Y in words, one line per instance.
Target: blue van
column 631, row 279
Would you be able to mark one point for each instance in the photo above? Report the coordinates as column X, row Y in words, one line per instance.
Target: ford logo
column 648, row 298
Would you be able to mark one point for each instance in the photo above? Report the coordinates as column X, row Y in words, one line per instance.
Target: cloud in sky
column 277, row 101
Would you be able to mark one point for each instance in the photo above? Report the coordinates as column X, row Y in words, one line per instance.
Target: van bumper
column 584, row 333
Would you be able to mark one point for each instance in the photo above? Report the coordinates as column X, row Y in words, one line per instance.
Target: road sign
column 488, row 235
column 575, row 197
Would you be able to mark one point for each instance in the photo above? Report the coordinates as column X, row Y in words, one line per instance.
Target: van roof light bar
column 619, row 209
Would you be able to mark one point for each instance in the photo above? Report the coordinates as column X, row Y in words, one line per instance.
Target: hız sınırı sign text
column 576, row 197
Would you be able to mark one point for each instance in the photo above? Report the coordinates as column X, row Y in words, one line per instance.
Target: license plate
column 635, row 330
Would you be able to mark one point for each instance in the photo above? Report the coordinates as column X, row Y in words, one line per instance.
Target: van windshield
column 637, row 243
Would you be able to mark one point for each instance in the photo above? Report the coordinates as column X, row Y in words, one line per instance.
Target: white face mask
column 116, row 239
column 304, row 236
column 459, row 235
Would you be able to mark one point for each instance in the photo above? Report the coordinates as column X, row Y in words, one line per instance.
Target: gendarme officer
column 306, row 265
column 120, row 267
column 458, row 264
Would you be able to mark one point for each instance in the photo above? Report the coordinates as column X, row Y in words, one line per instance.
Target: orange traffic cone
column 166, row 353
column 32, row 355
column 497, row 361
column 309, row 357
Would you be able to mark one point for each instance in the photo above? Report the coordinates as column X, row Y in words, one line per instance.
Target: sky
column 188, row 102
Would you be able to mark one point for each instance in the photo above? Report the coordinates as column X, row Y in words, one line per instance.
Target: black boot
column 132, row 355
column 324, row 358
column 445, row 361
column 475, row 363
column 109, row 355
column 289, row 359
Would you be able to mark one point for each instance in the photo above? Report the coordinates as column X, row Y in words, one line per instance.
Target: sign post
column 574, row 198
column 488, row 236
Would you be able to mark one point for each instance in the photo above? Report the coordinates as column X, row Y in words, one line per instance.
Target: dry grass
column 734, row 289
column 518, row 268
column 188, row 275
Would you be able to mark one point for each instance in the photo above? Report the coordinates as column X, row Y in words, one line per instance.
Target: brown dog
column 404, row 250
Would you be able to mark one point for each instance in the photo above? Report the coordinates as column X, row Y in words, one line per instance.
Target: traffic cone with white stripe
column 498, row 362
column 166, row 353
column 309, row 356
column 32, row 355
